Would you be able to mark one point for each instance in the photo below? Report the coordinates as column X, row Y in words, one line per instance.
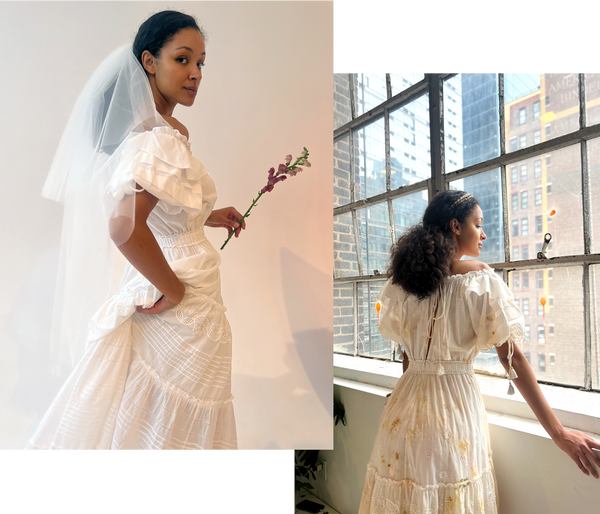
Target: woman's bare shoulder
column 462, row 267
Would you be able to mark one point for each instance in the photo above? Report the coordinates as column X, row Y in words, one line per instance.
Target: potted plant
column 304, row 462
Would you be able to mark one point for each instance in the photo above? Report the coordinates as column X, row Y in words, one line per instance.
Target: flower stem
column 243, row 217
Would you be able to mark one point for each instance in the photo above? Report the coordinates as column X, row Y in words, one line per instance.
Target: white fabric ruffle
column 387, row 496
column 494, row 314
column 160, row 162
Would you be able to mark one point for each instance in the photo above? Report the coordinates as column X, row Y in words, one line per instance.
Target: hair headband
column 461, row 199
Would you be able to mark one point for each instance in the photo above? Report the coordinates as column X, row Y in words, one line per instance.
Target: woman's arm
column 576, row 444
column 530, row 389
column 142, row 251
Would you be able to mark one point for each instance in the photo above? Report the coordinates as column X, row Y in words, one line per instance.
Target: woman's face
column 175, row 74
column 469, row 235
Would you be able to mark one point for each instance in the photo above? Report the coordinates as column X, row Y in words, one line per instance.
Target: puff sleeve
column 494, row 315
column 392, row 314
column 160, row 162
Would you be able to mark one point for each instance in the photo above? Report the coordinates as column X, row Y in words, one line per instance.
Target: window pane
column 343, row 318
column 594, row 185
column 592, row 96
column 557, row 115
column 487, row 188
column 565, row 224
column 376, row 238
column 345, row 262
column 566, row 315
column 594, row 323
column 369, row 91
column 408, row 211
column 471, row 123
column 400, row 82
column 342, row 113
column 409, row 143
column 370, row 341
column 341, row 171
column 369, row 163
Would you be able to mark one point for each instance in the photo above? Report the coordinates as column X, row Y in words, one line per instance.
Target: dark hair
column 422, row 256
column 159, row 29
column 152, row 35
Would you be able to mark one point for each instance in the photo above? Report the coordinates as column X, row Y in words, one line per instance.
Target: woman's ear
column 148, row 62
column 455, row 226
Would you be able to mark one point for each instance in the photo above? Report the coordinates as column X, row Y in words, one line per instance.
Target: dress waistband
column 190, row 238
column 440, row 367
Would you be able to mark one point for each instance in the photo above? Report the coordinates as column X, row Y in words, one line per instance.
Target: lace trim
column 112, row 313
column 381, row 505
column 484, row 271
column 410, row 484
column 214, row 328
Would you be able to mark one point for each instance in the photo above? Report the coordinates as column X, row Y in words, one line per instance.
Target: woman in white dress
column 432, row 451
column 154, row 363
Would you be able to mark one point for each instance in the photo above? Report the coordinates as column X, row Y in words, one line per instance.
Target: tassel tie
column 511, row 372
column 440, row 369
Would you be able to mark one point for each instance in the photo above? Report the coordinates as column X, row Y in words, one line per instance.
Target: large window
column 400, row 139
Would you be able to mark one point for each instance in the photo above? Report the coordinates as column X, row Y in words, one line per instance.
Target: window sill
column 575, row 409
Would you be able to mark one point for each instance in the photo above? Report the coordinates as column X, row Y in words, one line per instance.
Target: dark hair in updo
column 422, row 256
column 159, row 29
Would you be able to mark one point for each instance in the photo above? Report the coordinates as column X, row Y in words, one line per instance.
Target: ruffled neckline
column 472, row 273
column 175, row 133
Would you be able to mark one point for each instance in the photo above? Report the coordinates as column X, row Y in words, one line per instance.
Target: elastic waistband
column 440, row 367
column 193, row 237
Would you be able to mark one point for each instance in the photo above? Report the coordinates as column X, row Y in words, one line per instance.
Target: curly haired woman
column 432, row 451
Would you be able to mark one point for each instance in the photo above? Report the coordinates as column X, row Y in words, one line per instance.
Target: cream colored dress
column 155, row 381
column 432, row 451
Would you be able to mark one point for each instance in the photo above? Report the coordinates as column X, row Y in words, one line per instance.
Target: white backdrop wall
column 266, row 92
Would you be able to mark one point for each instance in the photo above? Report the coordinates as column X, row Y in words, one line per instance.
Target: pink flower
column 271, row 182
column 283, row 172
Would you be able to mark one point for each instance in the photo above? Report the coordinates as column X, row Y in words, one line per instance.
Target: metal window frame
column 433, row 84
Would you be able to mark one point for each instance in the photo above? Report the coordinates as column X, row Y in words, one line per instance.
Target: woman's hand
column 165, row 303
column 161, row 305
column 579, row 446
column 229, row 218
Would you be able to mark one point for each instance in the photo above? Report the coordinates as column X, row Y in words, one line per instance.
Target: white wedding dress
column 432, row 451
column 155, row 381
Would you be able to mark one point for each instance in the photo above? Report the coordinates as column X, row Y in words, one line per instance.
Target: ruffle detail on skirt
column 82, row 415
column 113, row 400
column 387, row 496
column 156, row 414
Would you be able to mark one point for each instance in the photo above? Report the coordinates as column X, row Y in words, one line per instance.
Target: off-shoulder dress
column 432, row 451
column 155, row 381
